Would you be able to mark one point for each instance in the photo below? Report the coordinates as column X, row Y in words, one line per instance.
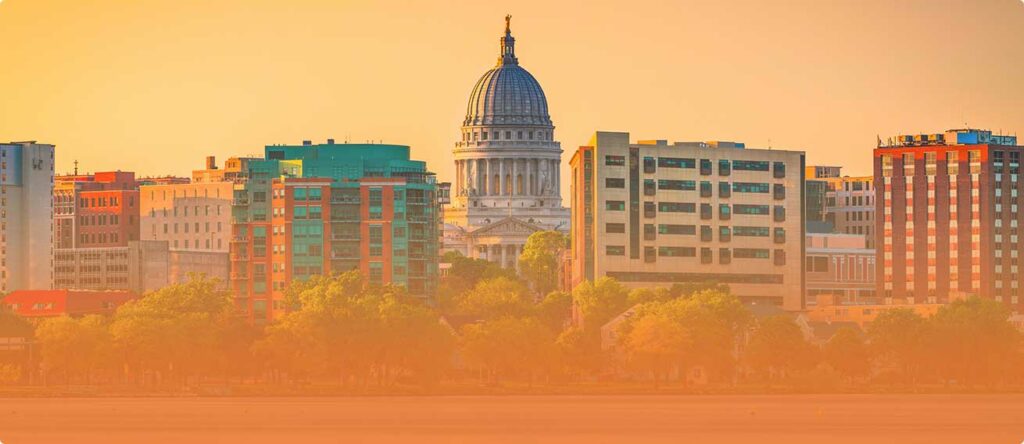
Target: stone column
column 459, row 178
column 515, row 177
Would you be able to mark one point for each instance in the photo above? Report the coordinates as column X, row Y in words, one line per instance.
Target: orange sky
column 154, row 85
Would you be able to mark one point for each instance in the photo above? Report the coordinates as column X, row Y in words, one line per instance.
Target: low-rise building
column 54, row 303
column 840, row 265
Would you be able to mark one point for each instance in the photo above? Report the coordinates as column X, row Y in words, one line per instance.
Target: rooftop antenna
column 76, row 167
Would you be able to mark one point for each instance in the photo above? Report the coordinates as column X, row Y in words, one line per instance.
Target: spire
column 508, row 45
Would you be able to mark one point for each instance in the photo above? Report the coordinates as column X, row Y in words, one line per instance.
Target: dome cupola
column 507, row 94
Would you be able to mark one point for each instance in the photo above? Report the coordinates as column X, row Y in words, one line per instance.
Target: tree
column 509, row 347
column 357, row 332
column 540, row 260
column 715, row 321
column 897, row 339
column 599, row 302
column 74, row 347
column 554, row 310
column 495, row 298
column 973, row 341
column 657, row 344
column 777, row 348
column 177, row 331
column 464, row 274
column 847, row 353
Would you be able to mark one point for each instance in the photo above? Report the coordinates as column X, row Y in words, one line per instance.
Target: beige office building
column 190, row 217
column 653, row 213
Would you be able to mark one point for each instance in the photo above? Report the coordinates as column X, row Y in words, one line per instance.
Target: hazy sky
column 154, row 85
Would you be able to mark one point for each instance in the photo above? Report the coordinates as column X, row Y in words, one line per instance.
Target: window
column 705, row 256
column 780, row 257
column 615, row 228
column 780, row 213
column 376, row 240
column 705, row 189
column 778, row 170
column 747, row 187
column 650, row 210
column 649, row 165
column 678, row 185
column 908, row 164
column 674, row 162
column 615, row 160
column 779, row 191
column 952, row 163
column 615, row 205
column 677, row 229
column 612, row 182
column 724, row 212
column 705, row 233
column 930, row 166
column 724, row 234
column 750, row 231
column 615, row 250
column 650, row 254
column 780, row 235
column 650, row 233
column 705, row 211
column 750, row 165
column 724, row 256
column 750, row 253
column 724, row 189
column 677, row 251
column 676, row 207
column 755, row 210
column 705, row 167
column 649, row 188
column 723, row 168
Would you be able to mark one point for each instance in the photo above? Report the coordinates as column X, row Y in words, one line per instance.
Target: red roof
column 46, row 303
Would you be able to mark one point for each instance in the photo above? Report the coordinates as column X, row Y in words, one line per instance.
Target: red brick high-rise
column 948, row 217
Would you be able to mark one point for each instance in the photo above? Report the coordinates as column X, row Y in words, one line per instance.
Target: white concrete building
column 654, row 213
column 507, row 163
column 26, row 216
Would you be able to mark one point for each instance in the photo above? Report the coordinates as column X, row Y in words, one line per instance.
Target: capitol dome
column 507, row 94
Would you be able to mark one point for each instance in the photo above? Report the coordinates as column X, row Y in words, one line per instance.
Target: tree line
column 492, row 326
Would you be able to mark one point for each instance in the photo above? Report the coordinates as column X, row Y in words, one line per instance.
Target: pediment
column 507, row 226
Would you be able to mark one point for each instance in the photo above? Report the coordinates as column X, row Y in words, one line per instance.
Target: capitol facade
column 507, row 164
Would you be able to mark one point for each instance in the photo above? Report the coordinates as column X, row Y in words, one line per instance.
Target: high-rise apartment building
column 26, row 216
column 948, row 216
column 327, row 208
column 653, row 214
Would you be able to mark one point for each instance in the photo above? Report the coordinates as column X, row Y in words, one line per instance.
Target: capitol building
column 507, row 165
